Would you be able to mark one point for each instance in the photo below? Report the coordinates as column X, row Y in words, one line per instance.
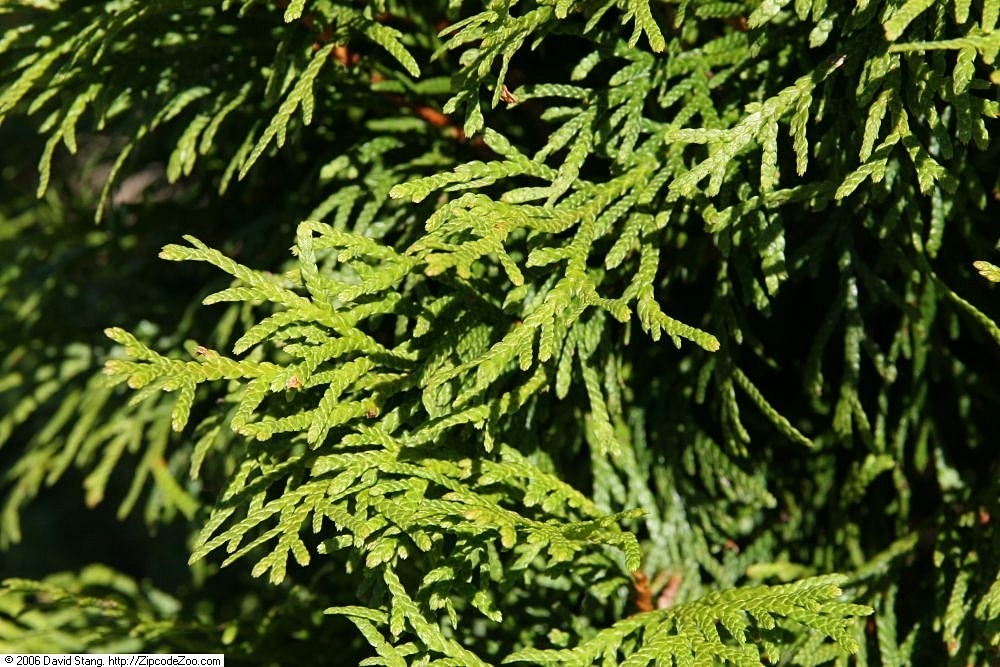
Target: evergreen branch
column 690, row 631
column 438, row 406
column 903, row 16
column 301, row 95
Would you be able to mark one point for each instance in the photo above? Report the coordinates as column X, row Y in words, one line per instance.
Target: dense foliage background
column 610, row 330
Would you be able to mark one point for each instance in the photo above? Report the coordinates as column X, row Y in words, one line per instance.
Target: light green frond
column 294, row 10
column 690, row 631
column 388, row 39
column 988, row 608
column 638, row 11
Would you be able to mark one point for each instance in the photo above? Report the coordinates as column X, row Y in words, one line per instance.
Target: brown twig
column 666, row 583
column 642, row 594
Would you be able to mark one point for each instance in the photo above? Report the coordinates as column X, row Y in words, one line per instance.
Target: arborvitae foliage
column 452, row 415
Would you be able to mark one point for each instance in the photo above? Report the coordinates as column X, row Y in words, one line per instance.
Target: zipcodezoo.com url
column 170, row 661
column 113, row 660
